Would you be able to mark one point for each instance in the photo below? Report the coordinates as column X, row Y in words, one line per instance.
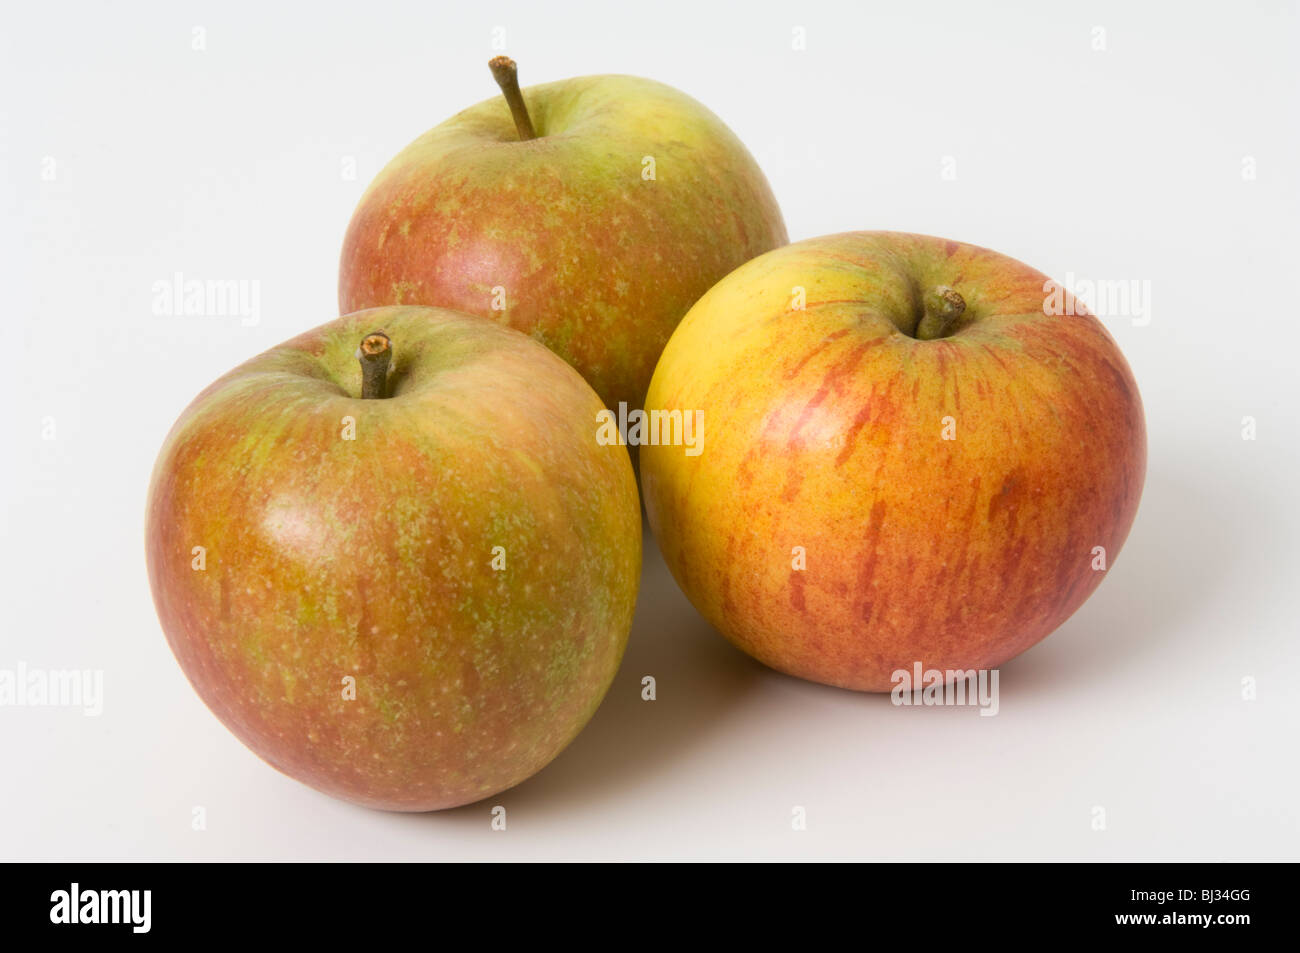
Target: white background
column 1119, row 164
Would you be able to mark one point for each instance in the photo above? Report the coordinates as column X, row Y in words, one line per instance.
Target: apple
column 410, row 586
column 904, row 458
column 589, row 213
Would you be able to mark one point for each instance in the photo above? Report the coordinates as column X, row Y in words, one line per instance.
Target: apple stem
column 506, row 73
column 943, row 307
column 375, row 354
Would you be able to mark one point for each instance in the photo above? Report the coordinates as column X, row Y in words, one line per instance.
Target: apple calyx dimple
column 375, row 355
column 506, row 73
column 942, row 308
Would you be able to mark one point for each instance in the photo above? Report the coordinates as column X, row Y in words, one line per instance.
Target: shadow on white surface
column 1130, row 626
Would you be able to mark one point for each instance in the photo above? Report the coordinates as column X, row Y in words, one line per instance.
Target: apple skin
column 372, row 558
column 597, row 263
column 823, row 428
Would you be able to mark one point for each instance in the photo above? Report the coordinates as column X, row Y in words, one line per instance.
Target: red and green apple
column 589, row 213
column 405, row 580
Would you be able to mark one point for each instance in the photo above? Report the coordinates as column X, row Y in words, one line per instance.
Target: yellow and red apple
column 905, row 459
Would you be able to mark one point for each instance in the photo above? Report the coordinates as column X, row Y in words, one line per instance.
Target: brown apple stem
column 375, row 354
column 506, row 73
column 943, row 307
